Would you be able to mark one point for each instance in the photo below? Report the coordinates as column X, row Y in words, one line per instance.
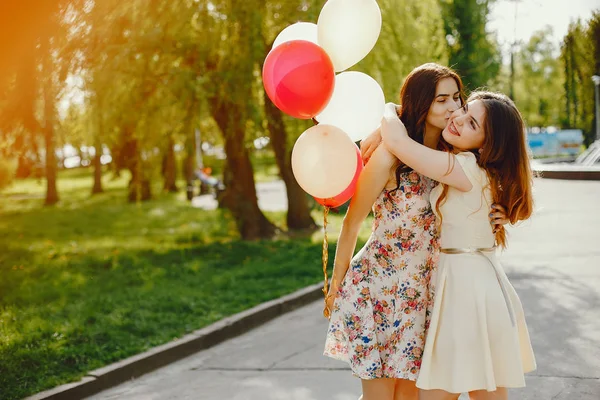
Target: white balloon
column 356, row 106
column 324, row 161
column 298, row 31
column 348, row 30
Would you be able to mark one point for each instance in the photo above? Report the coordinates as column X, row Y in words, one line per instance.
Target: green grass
column 94, row 280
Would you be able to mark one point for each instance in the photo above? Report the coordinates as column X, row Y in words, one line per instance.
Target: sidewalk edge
column 160, row 356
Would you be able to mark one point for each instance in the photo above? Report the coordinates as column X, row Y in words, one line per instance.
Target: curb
column 569, row 174
column 160, row 356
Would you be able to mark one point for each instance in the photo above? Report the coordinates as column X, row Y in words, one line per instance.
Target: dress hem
column 467, row 390
column 369, row 377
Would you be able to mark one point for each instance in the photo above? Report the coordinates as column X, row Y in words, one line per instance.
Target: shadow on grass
column 94, row 279
column 68, row 318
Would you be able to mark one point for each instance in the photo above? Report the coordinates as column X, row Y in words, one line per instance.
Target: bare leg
column 406, row 390
column 437, row 395
column 498, row 394
column 378, row 389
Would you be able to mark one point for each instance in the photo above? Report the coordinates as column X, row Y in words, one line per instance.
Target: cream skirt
column 478, row 338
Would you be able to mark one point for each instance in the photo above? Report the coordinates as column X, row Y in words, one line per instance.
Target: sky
column 533, row 15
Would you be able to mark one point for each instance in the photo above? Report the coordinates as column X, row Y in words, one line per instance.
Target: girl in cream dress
column 477, row 340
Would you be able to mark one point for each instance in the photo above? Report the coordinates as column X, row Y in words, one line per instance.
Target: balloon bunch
column 299, row 76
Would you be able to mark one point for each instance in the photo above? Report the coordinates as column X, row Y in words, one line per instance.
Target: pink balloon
column 298, row 77
column 338, row 200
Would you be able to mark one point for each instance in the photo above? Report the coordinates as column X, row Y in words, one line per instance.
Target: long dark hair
column 416, row 97
column 504, row 157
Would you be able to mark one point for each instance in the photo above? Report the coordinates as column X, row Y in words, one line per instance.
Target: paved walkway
column 553, row 262
column 271, row 197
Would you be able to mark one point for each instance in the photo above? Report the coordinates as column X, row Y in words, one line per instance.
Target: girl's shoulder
column 468, row 163
column 466, row 157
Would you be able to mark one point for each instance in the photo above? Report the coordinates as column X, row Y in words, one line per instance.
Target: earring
column 481, row 150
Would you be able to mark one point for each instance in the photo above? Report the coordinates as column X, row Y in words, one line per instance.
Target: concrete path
column 553, row 262
column 271, row 197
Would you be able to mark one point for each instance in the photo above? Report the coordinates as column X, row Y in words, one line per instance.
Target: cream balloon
column 348, row 30
column 356, row 106
column 324, row 161
column 298, row 31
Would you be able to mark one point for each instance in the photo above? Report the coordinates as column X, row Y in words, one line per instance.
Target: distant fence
column 567, row 142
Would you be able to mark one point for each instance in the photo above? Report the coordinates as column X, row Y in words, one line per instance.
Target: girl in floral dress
column 380, row 301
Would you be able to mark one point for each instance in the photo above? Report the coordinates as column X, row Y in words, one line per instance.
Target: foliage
column 538, row 67
column 579, row 55
column 151, row 73
column 411, row 35
column 474, row 53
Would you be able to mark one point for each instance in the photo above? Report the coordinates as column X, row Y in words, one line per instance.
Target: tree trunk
column 189, row 160
column 117, row 163
column 98, row 153
column 170, row 171
column 511, row 86
column 24, row 167
column 240, row 196
column 49, row 115
column 298, row 215
column 97, row 166
column 139, row 185
column 51, row 192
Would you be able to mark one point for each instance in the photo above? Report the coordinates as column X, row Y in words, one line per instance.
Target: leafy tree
column 411, row 34
column 593, row 38
column 578, row 54
column 538, row 68
column 155, row 71
column 39, row 76
column 473, row 51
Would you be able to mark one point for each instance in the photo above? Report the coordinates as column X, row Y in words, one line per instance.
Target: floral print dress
column 381, row 311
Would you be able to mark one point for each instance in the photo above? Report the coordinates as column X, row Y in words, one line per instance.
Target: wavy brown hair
column 416, row 97
column 504, row 157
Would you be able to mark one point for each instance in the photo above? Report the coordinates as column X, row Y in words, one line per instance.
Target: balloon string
column 326, row 311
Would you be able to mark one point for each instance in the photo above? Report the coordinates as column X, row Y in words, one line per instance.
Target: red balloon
column 338, row 200
column 298, row 77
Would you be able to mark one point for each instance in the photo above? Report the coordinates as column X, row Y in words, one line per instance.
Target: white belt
column 481, row 252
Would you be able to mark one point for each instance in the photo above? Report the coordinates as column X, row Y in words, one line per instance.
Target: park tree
column 579, row 57
column 539, row 80
column 412, row 33
column 473, row 52
column 231, row 64
column 36, row 82
column 133, row 86
column 593, row 38
column 156, row 64
column 19, row 126
column 154, row 72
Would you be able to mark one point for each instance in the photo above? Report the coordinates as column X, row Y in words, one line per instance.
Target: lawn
column 94, row 280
